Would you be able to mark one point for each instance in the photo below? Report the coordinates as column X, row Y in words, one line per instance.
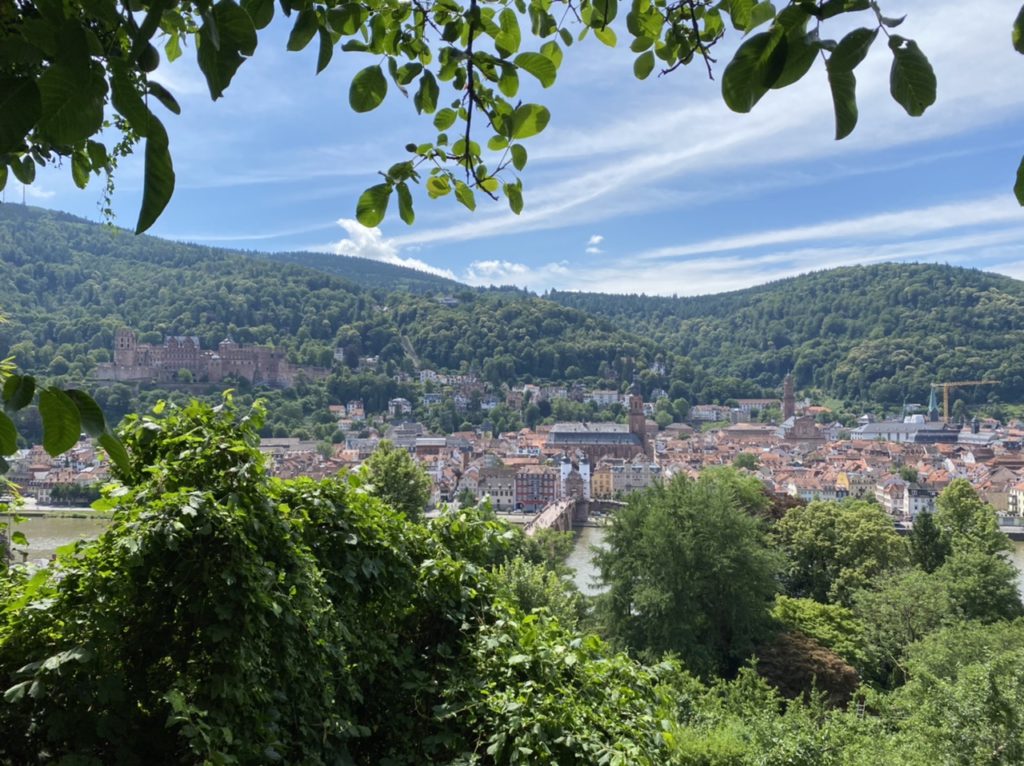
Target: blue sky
column 650, row 186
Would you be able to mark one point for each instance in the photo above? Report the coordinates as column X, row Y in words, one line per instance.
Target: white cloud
column 37, row 192
column 595, row 239
column 368, row 242
column 606, row 170
column 493, row 272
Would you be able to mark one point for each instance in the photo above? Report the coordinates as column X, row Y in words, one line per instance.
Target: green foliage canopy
column 66, row 65
column 833, row 549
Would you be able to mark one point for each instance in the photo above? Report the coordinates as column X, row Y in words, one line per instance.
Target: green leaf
column 158, row 184
column 755, row 67
column 465, row 195
column 260, row 11
column 127, row 100
column 602, row 13
column 90, row 413
column 80, row 167
column 843, row 84
column 539, row 66
column 606, row 35
column 326, row 51
column 1018, row 187
column 437, row 186
column 18, row 538
column 426, row 96
column 20, row 109
column 225, row 39
column 115, row 451
column 852, row 49
column 528, row 120
column 518, row 156
column 497, row 143
column 644, row 65
column 346, row 19
column 172, row 48
column 24, row 170
column 508, row 82
column 373, row 204
column 405, row 210
column 911, row 78
column 369, row 87
column 17, row 692
column 759, row 14
column 164, row 97
column 8, row 436
column 445, row 118
column 303, row 31
column 801, row 51
column 566, row 36
column 514, row 192
column 1018, row 32
column 553, row 51
column 72, row 103
column 61, row 424
column 508, row 40
column 18, row 392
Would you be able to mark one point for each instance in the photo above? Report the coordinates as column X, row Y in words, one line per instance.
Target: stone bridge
column 563, row 515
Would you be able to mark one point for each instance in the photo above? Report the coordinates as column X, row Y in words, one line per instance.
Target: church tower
column 933, row 407
column 788, row 397
column 637, row 419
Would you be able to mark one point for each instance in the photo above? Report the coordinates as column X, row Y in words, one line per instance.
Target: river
column 47, row 533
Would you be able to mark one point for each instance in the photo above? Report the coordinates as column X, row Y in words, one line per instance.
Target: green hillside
column 873, row 333
column 69, row 284
column 368, row 273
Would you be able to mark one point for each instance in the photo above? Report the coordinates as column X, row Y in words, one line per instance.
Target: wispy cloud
column 582, row 175
column 905, row 223
column 593, row 244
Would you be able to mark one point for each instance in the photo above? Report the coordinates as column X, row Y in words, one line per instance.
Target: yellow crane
column 957, row 384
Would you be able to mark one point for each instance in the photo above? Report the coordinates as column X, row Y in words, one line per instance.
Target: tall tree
column 688, row 572
column 966, row 521
column 398, row 480
column 833, row 549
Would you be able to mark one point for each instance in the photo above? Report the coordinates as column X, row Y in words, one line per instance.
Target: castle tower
column 125, row 344
column 788, row 397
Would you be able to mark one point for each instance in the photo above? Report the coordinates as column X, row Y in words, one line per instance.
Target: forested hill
column 880, row 333
column 360, row 271
column 367, row 272
column 67, row 285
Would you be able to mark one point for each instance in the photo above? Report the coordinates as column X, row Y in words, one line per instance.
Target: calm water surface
column 47, row 533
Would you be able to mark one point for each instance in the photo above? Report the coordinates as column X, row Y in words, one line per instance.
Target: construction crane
column 957, row 384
